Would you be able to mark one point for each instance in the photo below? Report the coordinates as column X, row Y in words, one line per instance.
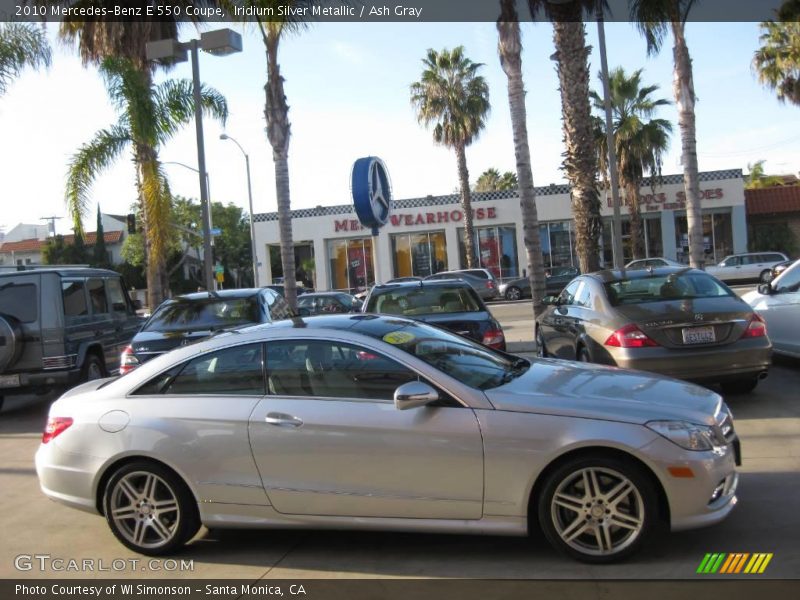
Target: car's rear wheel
column 766, row 276
column 541, row 349
column 149, row 509
column 583, row 355
column 597, row 510
column 513, row 293
column 744, row 385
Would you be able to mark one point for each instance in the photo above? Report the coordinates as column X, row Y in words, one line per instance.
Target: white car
column 750, row 266
column 778, row 303
column 655, row 261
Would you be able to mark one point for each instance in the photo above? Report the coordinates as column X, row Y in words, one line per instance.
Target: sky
column 347, row 85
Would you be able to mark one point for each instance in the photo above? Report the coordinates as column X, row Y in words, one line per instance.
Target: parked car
column 60, row 326
column 405, row 279
column 327, row 302
column 778, row 303
column 193, row 317
column 747, row 267
column 373, row 422
column 656, row 261
column 680, row 322
column 281, row 289
column 449, row 303
column 555, row 280
column 484, row 286
column 780, row 268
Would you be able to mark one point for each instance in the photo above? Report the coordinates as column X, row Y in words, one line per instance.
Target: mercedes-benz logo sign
column 372, row 194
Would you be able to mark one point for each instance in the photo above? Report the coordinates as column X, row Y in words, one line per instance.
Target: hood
column 565, row 388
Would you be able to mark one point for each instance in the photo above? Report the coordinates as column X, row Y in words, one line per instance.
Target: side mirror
column 550, row 300
column 414, row 394
column 765, row 289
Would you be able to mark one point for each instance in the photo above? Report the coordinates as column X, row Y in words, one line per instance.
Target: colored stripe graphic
column 732, row 559
column 716, row 565
column 704, row 563
column 741, row 563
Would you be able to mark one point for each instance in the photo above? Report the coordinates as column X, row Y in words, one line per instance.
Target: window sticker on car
column 398, row 337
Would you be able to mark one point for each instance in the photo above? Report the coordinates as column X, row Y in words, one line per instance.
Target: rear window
column 669, row 287
column 214, row 313
column 413, row 301
column 19, row 301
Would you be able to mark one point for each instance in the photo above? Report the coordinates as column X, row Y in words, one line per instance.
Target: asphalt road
column 767, row 519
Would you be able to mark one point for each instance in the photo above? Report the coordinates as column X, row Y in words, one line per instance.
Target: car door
column 328, row 439
column 782, row 312
column 732, row 269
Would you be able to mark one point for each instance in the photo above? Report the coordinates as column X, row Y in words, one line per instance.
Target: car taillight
column 756, row 328
column 127, row 361
column 494, row 338
column 629, row 336
column 490, row 284
column 55, row 426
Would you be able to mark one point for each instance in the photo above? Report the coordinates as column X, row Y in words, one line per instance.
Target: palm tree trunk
column 153, row 268
column 510, row 49
column 634, row 209
column 466, row 206
column 580, row 162
column 276, row 112
column 683, row 88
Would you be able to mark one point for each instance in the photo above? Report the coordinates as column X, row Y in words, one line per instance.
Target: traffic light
column 131, row 223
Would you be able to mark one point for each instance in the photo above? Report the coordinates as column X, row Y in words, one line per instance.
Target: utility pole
column 52, row 221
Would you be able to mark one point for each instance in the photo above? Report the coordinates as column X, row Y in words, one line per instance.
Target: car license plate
column 698, row 335
column 7, row 381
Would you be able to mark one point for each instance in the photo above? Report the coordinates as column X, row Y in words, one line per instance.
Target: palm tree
column 455, row 99
column 654, row 18
column 777, row 62
column 492, row 181
column 149, row 116
column 580, row 158
column 509, row 47
column 21, row 45
column 640, row 142
column 757, row 178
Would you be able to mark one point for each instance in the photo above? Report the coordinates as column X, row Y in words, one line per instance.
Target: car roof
column 609, row 275
column 424, row 283
column 219, row 294
column 312, row 294
column 62, row 271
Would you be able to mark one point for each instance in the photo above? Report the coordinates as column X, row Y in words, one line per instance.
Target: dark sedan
column 555, row 280
column 193, row 317
column 325, row 303
column 676, row 321
column 451, row 303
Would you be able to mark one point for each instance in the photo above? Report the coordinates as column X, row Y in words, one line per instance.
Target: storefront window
column 652, row 231
column 419, row 254
column 717, row 237
column 561, row 244
column 351, row 264
column 496, row 250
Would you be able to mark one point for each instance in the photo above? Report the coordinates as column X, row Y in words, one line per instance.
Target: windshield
column 471, row 363
column 418, row 300
column 675, row 286
column 213, row 313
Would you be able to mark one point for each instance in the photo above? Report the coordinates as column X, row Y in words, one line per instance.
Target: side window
column 115, row 295
column 789, row 282
column 333, row 370
column 584, row 297
column 237, row 370
column 733, row 261
column 97, row 296
column 74, row 295
column 568, row 294
column 277, row 306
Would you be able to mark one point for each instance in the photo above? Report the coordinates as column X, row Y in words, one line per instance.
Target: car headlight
column 689, row 436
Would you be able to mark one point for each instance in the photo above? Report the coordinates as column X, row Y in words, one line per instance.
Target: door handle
column 282, row 420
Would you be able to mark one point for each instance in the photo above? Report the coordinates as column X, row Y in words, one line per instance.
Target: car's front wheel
column 597, row 510
column 149, row 509
column 744, row 385
column 766, row 276
column 513, row 293
column 541, row 349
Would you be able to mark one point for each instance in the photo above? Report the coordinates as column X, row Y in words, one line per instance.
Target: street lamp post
column 225, row 136
column 220, row 42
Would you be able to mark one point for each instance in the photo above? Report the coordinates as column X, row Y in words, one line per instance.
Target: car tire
column 744, row 385
column 93, row 368
column 513, row 293
column 766, row 276
column 583, row 355
column 150, row 509
column 585, row 514
column 11, row 348
column 541, row 349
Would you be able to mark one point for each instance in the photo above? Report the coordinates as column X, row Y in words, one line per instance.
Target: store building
column 425, row 235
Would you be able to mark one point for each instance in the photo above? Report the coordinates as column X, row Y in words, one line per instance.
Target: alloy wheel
column 597, row 511
column 513, row 293
column 145, row 510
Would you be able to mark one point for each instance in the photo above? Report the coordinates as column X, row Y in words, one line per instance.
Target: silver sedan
column 379, row 422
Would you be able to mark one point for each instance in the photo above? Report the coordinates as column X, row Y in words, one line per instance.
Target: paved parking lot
column 766, row 520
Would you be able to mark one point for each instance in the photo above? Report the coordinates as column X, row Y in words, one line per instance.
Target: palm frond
column 21, row 45
column 173, row 104
column 86, row 164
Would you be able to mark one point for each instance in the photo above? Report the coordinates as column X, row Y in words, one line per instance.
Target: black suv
column 60, row 326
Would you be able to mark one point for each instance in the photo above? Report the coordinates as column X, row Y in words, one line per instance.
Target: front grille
column 59, row 362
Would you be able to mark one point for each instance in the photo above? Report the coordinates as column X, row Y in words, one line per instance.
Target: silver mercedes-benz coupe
column 380, row 422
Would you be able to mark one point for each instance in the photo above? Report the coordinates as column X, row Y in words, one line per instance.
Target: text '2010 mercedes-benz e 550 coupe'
column 386, row 423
